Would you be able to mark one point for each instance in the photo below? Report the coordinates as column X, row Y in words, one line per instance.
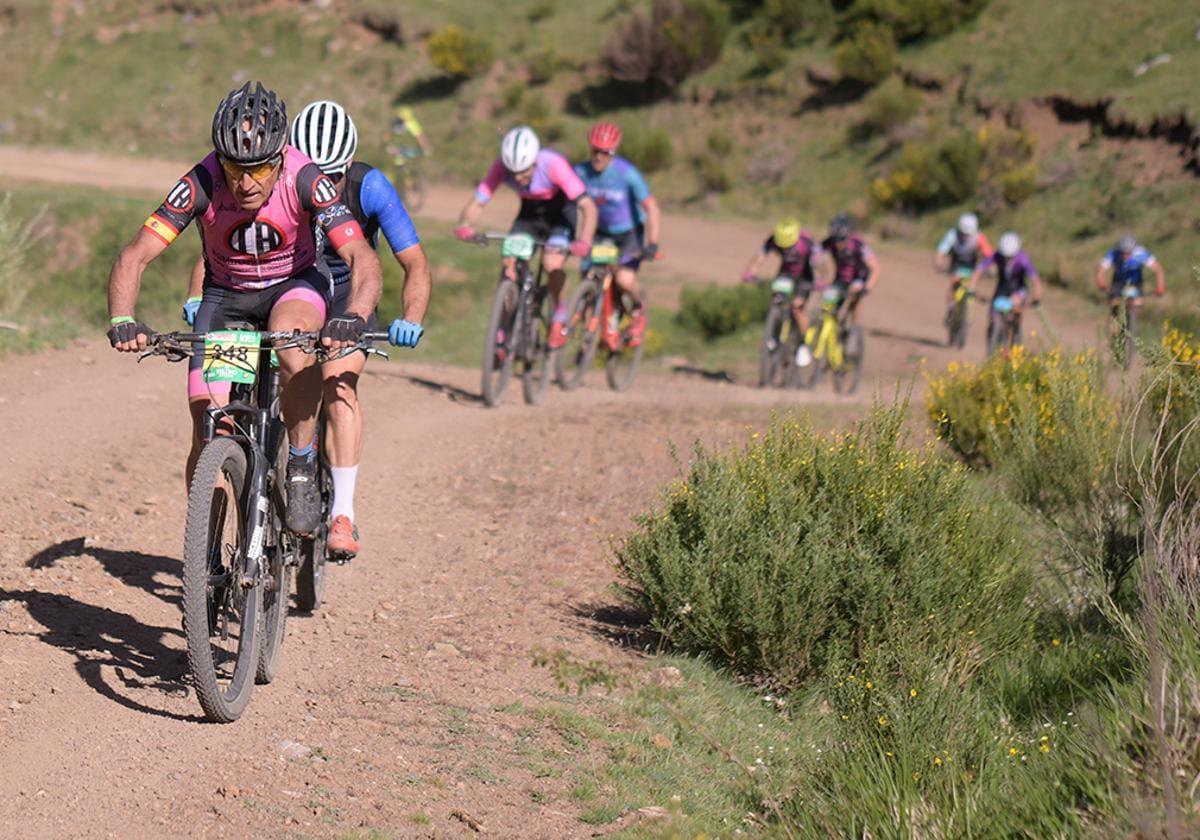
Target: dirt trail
column 484, row 538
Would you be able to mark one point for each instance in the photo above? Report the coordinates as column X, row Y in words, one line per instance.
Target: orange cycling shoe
column 558, row 335
column 637, row 327
column 343, row 537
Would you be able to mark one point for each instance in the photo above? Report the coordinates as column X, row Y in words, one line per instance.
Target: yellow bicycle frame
column 825, row 340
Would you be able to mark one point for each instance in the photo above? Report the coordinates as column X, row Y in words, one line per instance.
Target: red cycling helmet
column 604, row 136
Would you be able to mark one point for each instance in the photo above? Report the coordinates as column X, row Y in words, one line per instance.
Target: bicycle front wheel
column 770, row 354
column 220, row 606
column 499, row 344
column 848, row 374
column 583, row 334
column 414, row 198
column 536, row 364
column 314, row 549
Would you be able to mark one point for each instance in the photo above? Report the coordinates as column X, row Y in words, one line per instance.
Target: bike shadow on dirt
column 97, row 636
column 133, row 568
column 704, row 373
column 622, row 625
column 923, row 340
column 451, row 392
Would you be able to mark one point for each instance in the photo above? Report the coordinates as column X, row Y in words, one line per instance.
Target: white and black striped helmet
column 325, row 132
column 519, row 149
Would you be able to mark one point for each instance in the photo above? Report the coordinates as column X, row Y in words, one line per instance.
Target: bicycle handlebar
column 177, row 346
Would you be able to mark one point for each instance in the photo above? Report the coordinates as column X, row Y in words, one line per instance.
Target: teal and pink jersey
column 247, row 250
column 552, row 177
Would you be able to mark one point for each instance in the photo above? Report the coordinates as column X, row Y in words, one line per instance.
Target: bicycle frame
column 828, row 342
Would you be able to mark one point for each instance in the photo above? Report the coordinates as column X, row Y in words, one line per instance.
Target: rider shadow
column 622, row 625
column 97, row 636
column 922, row 340
column 132, row 568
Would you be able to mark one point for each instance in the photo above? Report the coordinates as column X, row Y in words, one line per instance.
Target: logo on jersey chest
column 255, row 238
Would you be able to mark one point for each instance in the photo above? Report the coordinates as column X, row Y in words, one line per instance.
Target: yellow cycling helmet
column 787, row 233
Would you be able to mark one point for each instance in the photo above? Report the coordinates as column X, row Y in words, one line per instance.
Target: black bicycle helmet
column 250, row 126
column 841, row 226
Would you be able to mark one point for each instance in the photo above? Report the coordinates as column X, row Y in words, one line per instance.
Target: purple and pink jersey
column 850, row 258
column 1013, row 275
column 552, row 176
column 246, row 250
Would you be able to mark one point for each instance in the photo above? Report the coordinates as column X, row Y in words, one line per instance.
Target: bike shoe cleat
column 637, row 327
column 303, row 500
column 558, row 335
column 803, row 356
column 343, row 539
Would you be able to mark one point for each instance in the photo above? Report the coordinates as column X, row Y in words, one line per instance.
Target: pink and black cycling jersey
column 553, row 177
column 797, row 261
column 850, row 257
column 245, row 250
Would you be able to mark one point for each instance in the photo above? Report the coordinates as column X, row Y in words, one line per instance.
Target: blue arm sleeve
column 379, row 200
column 637, row 185
column 947, row 242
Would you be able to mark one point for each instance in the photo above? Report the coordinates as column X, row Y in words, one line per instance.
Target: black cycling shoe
column 303, row 500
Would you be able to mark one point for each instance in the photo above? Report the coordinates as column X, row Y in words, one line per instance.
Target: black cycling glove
column 126, row 331
column 650, row 251
column 345, row 328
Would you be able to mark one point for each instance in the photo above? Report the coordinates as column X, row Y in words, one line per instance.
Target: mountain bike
column 1124, row 332
column 407, row 177
column 837, row 347
column 1004, row 325
column 600, row 316
column 958, row 318
column 238, row 559
column 518, row 330
column 781, row 337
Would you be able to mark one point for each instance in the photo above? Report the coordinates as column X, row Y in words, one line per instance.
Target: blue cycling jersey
column 1127, row 271
column 374, row 203
column 618, row 192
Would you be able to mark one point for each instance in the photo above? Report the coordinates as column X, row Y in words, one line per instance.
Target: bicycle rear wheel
column 314, row 549
column 220, row 607
column 583, row 334
column 958, row 324
column 1130, row 335
column 499, row 344
column 621, row 366
column 279, row 560
column 536, row 363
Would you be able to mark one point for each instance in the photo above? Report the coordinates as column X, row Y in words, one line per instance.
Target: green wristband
column 120, row 319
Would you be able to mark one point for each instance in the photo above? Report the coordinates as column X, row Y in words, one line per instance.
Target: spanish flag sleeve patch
column 161, row 228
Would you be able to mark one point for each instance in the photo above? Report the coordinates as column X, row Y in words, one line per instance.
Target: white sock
column 343, row 491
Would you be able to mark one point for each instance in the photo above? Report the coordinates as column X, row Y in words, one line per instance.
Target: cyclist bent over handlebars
column 855, row 268
column 552, row 200
column 798, row 254
column 255, row 200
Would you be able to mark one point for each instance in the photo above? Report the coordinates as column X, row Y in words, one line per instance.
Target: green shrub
column 678, row 38
column 720, row 143
column 650, row 149
column 512, row 95
column 15, row 280
column 715, row 311
column 807, row 553
column 542, row 9
column 911, row 20
column 712, row 173
column 542, row 66
column 890, row 106
column 537, row 112
column 457, row 52
column 868, row 55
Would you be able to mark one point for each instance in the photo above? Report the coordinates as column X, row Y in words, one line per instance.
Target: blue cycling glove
column 190, row 308
column 405, row 333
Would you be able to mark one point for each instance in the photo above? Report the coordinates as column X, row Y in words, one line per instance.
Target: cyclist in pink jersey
column 256, row 200
column 553, row 200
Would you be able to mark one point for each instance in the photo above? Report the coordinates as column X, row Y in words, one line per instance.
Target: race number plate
column 605, row 253
column 517, row 245
column 231, row 356
column 1131, row 292
column 783, row 285
column 1002, row 304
